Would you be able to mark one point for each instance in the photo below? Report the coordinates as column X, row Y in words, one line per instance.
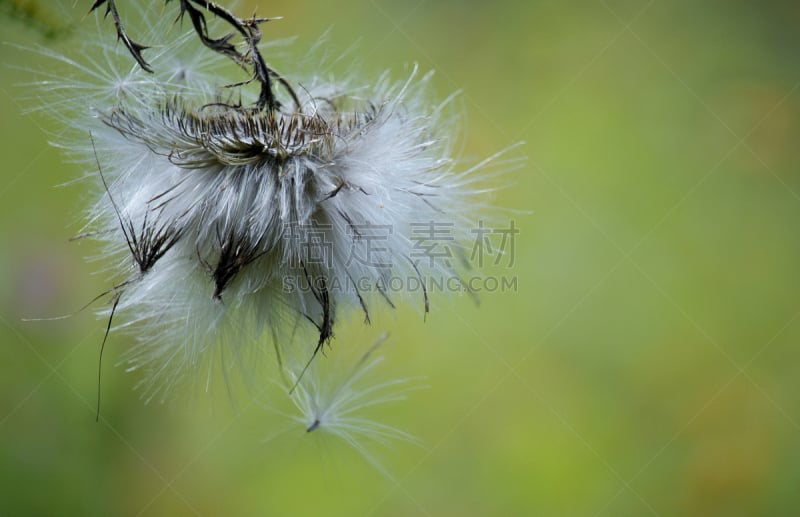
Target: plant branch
column 248, row 28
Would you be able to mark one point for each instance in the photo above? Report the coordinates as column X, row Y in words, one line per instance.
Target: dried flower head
column 228, row 220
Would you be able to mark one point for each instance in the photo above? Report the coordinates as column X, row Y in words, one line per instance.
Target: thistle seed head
column 227, row 221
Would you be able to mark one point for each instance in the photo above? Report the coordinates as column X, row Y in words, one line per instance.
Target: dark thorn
column 385, row 296
column 424, row 289
column 325, row 329
column 236, row 252
column 360, row 301
column 102, row 348
column 110, row 197
column 335, row 191
column 350, row 224
column 134, row 48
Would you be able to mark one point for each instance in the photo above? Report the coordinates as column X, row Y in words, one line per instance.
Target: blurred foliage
column 647, row 363
column 37, row 16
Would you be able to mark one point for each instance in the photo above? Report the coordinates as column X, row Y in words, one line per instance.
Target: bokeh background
column 646, row 364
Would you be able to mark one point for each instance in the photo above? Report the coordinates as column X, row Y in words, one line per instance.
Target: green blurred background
column 647, row 364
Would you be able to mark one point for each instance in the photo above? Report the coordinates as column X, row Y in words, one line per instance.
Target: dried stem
column 134, row 48
column 248, row 28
